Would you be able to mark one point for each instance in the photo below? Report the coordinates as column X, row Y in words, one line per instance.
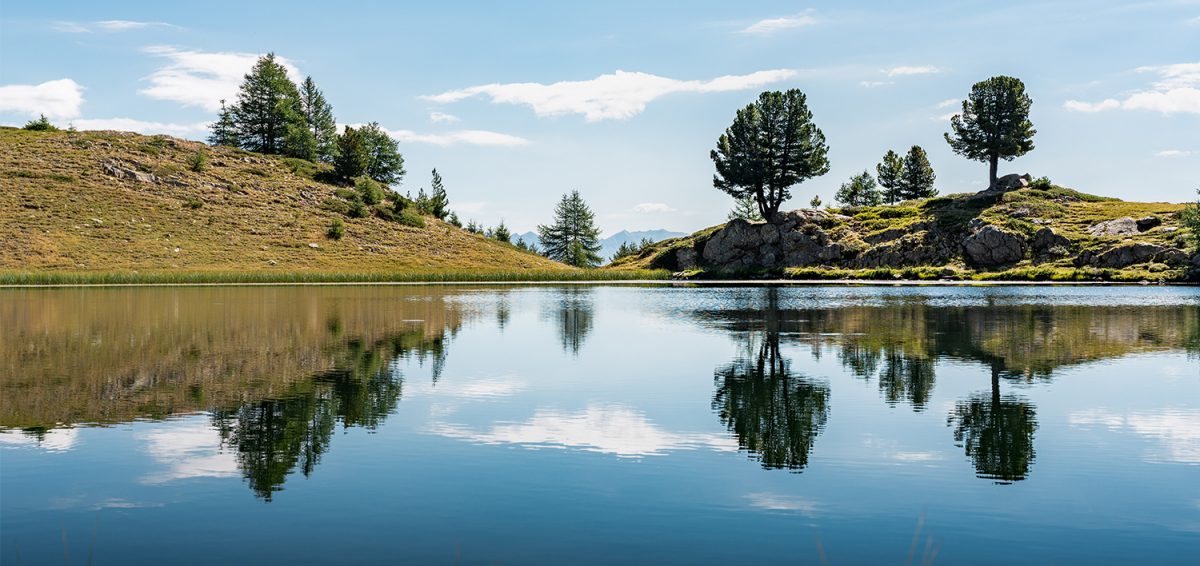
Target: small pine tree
column 452, row 219
column 815, row 202
column 351, row 156
column 473, row 227
column 318, row 116
column 916, row 181
column 860, row 191
column 573, row 237
column 384, row 162
column 890, row 170
column 41, row 125
column 438, row 201
column 745, row 208
column 224, row 130
column 501, row 233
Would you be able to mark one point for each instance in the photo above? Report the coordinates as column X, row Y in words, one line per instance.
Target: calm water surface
column 600, row 424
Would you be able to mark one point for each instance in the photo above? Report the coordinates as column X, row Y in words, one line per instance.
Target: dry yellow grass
column 61, row 212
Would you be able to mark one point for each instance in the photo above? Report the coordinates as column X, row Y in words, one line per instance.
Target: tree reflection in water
column 996, row 432
column 571, row 312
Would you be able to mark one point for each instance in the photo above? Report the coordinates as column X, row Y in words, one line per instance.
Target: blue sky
column 516, row 103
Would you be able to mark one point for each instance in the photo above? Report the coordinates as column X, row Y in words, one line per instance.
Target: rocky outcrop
column 991, row 246
column 121, row 171
column 1011, row 182
column 1132, row 254
column 1119, row 227
column 1148, row 223
column 794, row 239
column 1048, row 245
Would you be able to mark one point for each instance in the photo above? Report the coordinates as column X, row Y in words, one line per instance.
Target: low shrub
column 194, row 203
column 256, row 171
column 41, row 125
column 198, row 161
column 346, row 194
column 337, row 229
column 357, row 209
column 336, row 205
column 409, row 217
column 369, row 190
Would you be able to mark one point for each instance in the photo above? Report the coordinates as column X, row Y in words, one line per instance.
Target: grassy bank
column 231, row 277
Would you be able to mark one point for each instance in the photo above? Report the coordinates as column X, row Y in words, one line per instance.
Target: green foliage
column 815, row 202
column 357, row 209
column 526, row 246
column 861, row 190
column 198, row 161
column 1190, row 219
column 384, row 162
column 745, row 208
column 41, row 125
column 336, row 205
column 194, row 203
column 409, row 217
column 1041, row 184
column 337, row 229
column 224, row 131
column 474, row 227
column 368, row 190
column 501, row 233
column 629, row 249
column 994, row 123
column 352, row 158
column 318, row 117
column 572, row 237
column 916, row 179
column 771, row 146
column 267, row 114
column 452, row 219
column 438, row 201
column 890, row 171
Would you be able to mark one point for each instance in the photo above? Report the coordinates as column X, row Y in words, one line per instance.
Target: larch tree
column 916, row 179
column 439, row 203
column 994, row 123
column 573, row 237
column 889, row 172
column 267, row 107
column 318, row 115
column 771, row 146
column 224, row 130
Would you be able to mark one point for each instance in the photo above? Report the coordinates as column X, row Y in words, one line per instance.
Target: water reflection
column 996, row 432
column 571, row 312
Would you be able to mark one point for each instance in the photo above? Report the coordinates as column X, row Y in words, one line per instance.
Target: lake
column 599, row 424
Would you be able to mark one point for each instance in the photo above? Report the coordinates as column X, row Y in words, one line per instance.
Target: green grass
column 221, row 277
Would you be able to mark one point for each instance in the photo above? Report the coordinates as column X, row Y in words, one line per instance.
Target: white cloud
column 443, row 117
column 873, row 84
column 140, row 126
column 108, row 26
column 652, row 208
column 1078, row 106
column 918, row 70
column 1173, row 153
column 777, row 502
column 945, row 117
column 1176, row 91
column 1177, row 432
column 615, row 96
column 772, row 25
column 188, row 449
column 948, row 103
column 608, row 429
column 197, row 78
column 469, row 137
column 56, row 99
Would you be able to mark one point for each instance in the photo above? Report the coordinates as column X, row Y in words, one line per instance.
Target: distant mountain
column 609, row 245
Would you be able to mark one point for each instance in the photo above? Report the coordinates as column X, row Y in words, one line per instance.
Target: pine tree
column 860, row 191
column 351, row 156
column 994, row 123
column 452, row 219
column 267, row 105
column 384, row 162
column 889, row 172
column 573, row 237
column 745, row 208
column 318, row 115
column 815, row 202
column 438, row 201
column 224, row 130
column 42, row 124
column 501, row 233
column 916, row 180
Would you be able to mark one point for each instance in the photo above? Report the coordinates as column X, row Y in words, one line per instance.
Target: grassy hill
column 1046, row 232
column 113, row 206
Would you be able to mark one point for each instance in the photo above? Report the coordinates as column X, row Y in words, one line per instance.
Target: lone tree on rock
column 994, row 123
column 573, row 237
column 771, row 146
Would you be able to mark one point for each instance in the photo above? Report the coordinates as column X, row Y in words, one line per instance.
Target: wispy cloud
column 443, row 117
column 1173, row 153
column 468, row 137
column 615, row 96
column 108, row 26
column 652, row 208
column 907, row 70
column 776, row 502
column 873, row 84
column 948, row 103
column 198, row 78
column 140, row 126
column 772, row 25
column 61, row 98
column 1177, row 90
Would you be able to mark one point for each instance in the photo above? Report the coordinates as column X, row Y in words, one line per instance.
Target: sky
column 516, row 103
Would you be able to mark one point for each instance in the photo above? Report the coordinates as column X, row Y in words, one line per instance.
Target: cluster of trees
column 627, row 249
column 273, row 115
column 773, row 145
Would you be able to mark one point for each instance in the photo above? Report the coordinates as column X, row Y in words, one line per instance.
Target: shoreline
column 631, row 282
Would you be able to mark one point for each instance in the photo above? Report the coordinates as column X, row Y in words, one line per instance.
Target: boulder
column 1011, row 182
column 1148, row 223
column 992, row 246
column 686, row 259
column 1132, row 254
column 121, row 171
column 1126, row 226
column 1049, row 245
column 735, row 245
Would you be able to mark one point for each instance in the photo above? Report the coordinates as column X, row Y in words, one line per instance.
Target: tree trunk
column 992, row 163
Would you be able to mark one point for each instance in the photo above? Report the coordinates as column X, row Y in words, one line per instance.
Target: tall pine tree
column 994, row 123
column 224, row 130
column 318, row 115
column 267, row 105
column 573, row 237
column 439, row 203
column 889, row 172
column 384, row 162
column 916, row 180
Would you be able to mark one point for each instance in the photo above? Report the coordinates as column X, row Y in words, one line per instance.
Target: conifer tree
column 994, row 123
column 573, row 237
column 268, row 104
column 351, row 155
column 889, row 171
column 501, row 233
column 318, row 115
column 860, row 191
column 224, row 130
column 438, row 201
column 384, row 162
column 916, row 179
column 745, row 208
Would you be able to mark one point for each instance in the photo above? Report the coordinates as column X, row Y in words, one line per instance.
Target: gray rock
column 686, row 259
column 120, row 171
column 1126, row 226
column 1132, row 254
column 737, row 241
column 992, row 246
column 1011, row 182
column 1048, row 245
column 1148, row 223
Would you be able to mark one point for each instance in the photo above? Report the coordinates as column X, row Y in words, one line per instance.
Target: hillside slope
column 1033, row 231
column 112, row 201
